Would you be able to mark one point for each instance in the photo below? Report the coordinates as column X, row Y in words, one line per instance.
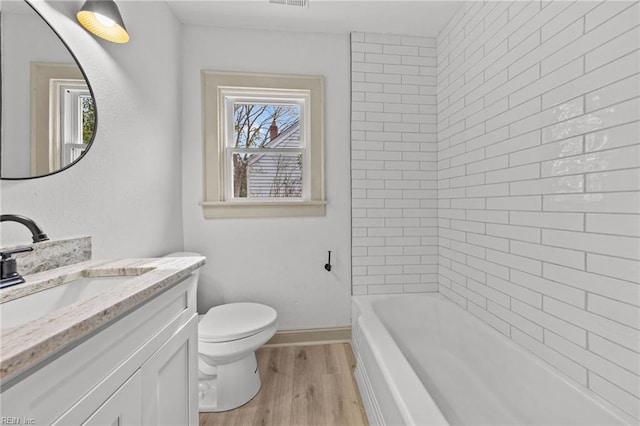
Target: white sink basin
column 24, row 309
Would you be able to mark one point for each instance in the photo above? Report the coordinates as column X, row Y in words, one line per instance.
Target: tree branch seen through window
column 264, row 174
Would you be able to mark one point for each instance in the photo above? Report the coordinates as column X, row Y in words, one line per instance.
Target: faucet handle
column 9, row 268
column 7, row 253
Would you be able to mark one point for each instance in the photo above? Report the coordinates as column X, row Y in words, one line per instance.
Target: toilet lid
column 234, row 321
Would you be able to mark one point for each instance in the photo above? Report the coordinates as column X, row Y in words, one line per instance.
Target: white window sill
column 246, row 209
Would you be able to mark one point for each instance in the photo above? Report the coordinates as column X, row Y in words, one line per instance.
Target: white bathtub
column 423, row 360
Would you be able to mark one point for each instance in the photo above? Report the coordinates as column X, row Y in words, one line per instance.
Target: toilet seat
column 235, row 321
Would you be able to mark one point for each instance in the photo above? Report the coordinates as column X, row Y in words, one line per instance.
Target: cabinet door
column 123, row 407
column 170, row 380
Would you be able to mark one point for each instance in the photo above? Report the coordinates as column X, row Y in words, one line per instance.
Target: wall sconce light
column 102, row 18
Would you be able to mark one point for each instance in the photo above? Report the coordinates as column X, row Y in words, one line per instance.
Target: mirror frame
column 95, row 106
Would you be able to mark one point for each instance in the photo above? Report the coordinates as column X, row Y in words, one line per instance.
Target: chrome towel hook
column 327, row 266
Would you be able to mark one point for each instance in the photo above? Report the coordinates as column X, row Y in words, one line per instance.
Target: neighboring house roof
column 286, row 135
column 287, row 138
column 269, row 173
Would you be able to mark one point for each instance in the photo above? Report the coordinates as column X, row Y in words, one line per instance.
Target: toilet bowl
column 228, row 336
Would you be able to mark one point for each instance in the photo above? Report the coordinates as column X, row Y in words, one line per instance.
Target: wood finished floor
column 301, row 385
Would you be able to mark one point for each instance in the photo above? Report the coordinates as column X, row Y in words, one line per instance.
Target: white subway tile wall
column 538, row 126
column 394, row 162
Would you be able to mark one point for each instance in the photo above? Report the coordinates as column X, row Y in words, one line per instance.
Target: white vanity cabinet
column 139, row 369
column 168, row 386
column 122, row 408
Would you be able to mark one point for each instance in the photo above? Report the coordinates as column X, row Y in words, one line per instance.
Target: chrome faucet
column 8, row 267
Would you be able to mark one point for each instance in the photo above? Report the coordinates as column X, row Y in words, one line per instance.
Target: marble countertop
column 24, row 346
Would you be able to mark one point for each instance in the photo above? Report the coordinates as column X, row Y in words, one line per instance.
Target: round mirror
column 48, row 110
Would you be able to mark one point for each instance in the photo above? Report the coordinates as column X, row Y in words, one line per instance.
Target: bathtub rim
column 365, row 304
column 415, row 404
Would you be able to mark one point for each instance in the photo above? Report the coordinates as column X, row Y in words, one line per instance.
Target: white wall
column 394, row 164
column 539, row 162
column 126, row 192
column 26, row 38
column 277, row 261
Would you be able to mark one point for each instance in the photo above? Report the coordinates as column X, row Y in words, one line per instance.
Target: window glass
column 260, row 125
column 265, row 147
column 88, row 109
column 267, row 175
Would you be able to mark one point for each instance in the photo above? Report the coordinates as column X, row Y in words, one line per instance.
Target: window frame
column 45, row 126
column 233, row 96
column 67, row 113
column 216, row 202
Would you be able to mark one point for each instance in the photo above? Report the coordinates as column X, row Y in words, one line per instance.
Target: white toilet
column 228, row 336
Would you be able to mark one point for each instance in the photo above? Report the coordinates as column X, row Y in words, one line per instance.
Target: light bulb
column 102, row 18
column 107, row 22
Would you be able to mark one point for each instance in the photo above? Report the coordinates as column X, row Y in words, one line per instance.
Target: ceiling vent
column 291, row 2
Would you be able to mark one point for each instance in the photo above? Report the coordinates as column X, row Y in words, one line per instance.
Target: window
column 73, row 109
column 263, row 145
column 62, row 116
